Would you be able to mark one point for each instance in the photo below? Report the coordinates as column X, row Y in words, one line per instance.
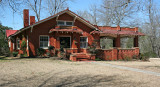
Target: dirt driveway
column 57, row 73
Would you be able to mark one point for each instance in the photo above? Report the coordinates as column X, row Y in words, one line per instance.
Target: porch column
column 116, row 41
column 136, row 41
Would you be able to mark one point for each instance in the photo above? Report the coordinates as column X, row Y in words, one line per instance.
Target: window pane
column 83, row 42
column 60, row 22
column 44, row 41
column 69, row 23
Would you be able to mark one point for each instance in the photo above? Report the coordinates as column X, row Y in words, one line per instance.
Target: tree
column 54, row 6
column 113, row 12
column 4, row 49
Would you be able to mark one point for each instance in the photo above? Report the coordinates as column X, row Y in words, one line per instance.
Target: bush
column 48, row 54
column 40, row 51
column 51, row 48
column 23, row 55
column 15, row 54
column 98, row 59
column 144, row 57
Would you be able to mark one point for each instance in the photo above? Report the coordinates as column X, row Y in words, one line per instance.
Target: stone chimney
column 26, row 17
column 32, row 20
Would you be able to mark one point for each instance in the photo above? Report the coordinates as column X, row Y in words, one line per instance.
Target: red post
column 118, row 41
column 114, row 54
column 136, row 51
column 136, row 41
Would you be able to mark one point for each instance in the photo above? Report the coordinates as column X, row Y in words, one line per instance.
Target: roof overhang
column 51, row 17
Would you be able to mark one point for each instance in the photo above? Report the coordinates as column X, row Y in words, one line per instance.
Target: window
column 44, row 42
column 65, row 23
column 61, row 23
column 69, row 23
column 18, row 43
column 83, row 42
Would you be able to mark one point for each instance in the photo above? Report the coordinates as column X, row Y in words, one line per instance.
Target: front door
column 65, row 42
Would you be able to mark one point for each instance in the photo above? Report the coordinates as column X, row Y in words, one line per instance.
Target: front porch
column 71, row 38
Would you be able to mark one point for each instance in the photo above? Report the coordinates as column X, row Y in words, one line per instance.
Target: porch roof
column 119, row 32
column 66, row 30
column 10, row 32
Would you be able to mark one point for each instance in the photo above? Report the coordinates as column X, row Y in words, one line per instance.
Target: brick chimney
column 118, row 28
column 136, row 29
column 26, row 17
column 32, row 20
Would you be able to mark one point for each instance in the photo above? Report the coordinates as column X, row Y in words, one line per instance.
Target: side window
column 69, row 23
column 60, row 23
column 83, row 42
column 44, row 42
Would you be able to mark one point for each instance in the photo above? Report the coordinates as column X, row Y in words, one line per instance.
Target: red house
column 76, row 33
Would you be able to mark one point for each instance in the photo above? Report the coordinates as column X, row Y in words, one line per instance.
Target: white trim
column 70, row 40
column 27, row 43
column 48, row 41
column 13, row 46
column 86, row 43
column 9, row 43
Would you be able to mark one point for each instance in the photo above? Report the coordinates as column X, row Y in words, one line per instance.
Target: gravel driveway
column 60, row 73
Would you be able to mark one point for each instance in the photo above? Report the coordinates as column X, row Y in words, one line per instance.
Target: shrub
column 48, row 54
column 15, row 54
column 98, row 59
column 51, row 48
column 23, row 46
column 144, row 57
column 40, row 51
column 24, row 55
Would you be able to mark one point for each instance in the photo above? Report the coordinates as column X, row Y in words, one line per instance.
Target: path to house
column 128, row 68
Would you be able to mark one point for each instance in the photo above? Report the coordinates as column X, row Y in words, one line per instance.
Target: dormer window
column 65, row 23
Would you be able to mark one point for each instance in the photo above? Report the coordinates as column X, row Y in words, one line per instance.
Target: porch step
column 81, row 57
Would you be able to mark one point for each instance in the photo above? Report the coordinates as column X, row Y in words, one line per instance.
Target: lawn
column 60, row 73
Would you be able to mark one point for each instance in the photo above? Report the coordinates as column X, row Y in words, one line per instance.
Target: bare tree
column 54, row 6
column 36, row 6
column 114, row 11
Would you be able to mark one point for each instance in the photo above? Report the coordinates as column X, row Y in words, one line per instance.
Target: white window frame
column 27, row 42
column 86, row 41
column 9, row 43
column 65, row 23
column 17, row 43
column 48, row 41
column 13, row 46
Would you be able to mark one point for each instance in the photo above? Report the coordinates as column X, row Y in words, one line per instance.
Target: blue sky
column 16, row 21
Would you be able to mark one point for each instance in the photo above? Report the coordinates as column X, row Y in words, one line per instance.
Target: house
column 76, row 33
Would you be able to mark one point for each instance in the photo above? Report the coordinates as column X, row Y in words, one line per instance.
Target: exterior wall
column 44, row 28
column 117, row 54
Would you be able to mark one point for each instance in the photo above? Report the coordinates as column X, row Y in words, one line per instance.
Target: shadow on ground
column 60, row 80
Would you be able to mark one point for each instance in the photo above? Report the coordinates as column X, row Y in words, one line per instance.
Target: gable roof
column 10, row 32
column 53, row 16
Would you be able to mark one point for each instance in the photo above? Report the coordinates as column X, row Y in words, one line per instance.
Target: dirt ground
column 60, row 73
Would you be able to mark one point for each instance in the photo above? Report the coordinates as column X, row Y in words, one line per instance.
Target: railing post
column 114, row 53
column 136, row 51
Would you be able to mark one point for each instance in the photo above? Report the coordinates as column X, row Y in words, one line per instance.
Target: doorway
column 65, row 42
